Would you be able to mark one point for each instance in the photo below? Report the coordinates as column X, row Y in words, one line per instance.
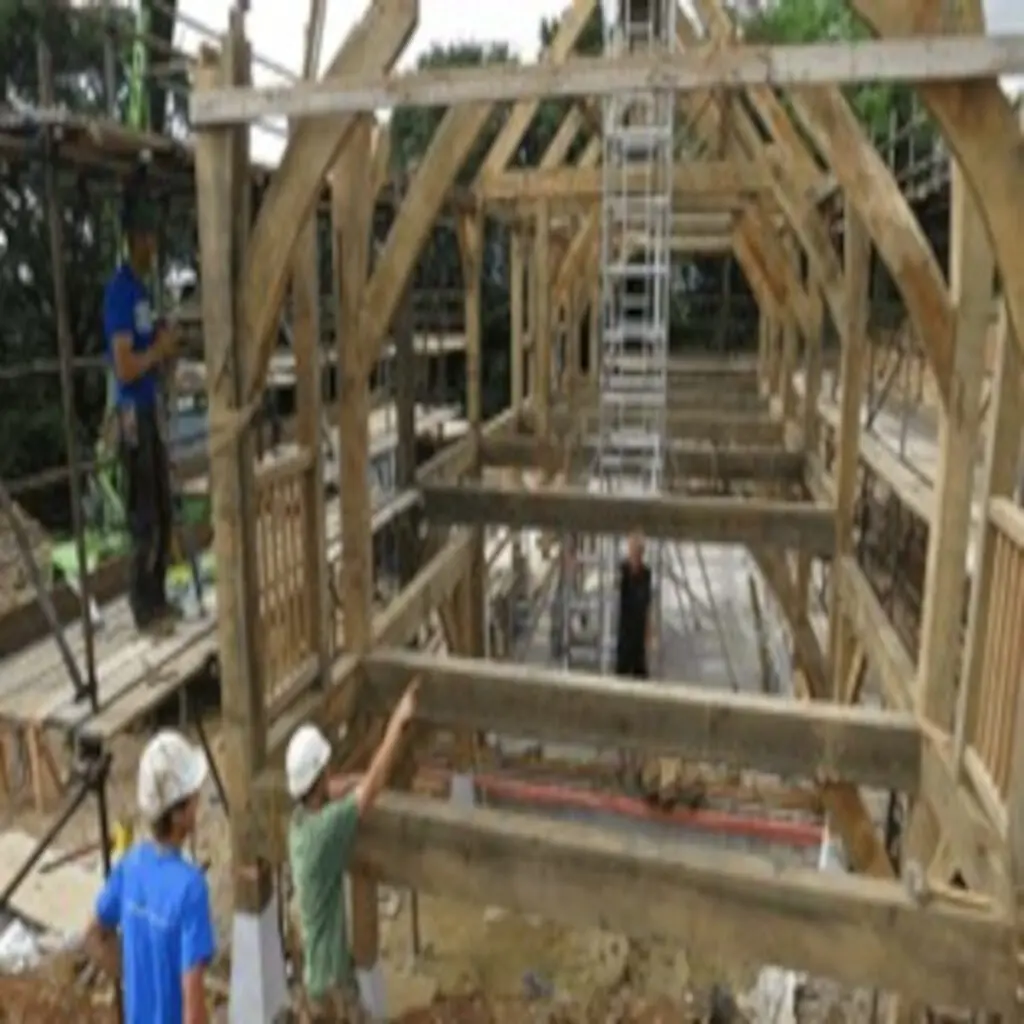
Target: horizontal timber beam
column 858, row 931
column 683, row 460
column 916, row 59
column 729, row 428
column 763, row 523
column 789, row 738
column 705, row 177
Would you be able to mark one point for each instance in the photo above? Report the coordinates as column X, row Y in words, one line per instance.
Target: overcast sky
column 276, row 30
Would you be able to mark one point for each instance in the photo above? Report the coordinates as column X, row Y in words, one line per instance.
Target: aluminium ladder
column 636, row 211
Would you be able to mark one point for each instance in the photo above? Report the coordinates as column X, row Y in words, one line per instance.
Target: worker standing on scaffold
column 138, row 348
column 321, row 838
column 158, row 900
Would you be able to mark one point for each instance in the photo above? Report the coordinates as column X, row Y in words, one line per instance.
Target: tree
column 30, row 407
column 881, row 107
column 79, row 41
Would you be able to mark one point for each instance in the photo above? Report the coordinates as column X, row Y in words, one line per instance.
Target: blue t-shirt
column 161, row 904
column 128, row 309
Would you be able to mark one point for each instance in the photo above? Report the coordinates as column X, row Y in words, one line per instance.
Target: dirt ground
column 476, row 965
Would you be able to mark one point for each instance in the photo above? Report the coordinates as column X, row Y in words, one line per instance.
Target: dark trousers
column 631, row 664
column 147, row 488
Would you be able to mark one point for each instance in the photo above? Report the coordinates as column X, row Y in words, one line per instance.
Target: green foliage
column 413, row 127
column 30, row 407
column 805, row 21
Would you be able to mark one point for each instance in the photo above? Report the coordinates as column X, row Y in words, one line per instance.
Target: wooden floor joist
column 763, row 523
column 859, row 931
column 684, row 460
column 696, row 722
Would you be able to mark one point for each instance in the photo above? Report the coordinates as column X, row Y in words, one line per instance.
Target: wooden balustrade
column 286, row 610
column 991, row 738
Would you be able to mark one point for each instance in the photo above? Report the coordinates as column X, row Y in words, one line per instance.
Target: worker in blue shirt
column 153, row 929
column 138, row 350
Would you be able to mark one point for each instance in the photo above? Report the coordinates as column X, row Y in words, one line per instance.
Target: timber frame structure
column 948, row 734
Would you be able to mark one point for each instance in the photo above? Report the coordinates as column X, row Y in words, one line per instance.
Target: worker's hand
column 167, row 343
column 406, row 710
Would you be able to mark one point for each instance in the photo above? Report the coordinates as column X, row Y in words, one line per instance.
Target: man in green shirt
column 321, row 838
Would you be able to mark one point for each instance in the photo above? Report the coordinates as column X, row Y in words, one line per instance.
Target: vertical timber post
column 471, row 246
column 852, row 367
column 971, row 276
column 516, row 281
column 258, row 989
column 809, row 426
column 406, row 363
column 309, row 412
column 542, row 319
column 472, row 590
column 352, row 213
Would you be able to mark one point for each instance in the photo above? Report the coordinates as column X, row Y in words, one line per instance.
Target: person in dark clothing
column 634, row 612
column 138, row 348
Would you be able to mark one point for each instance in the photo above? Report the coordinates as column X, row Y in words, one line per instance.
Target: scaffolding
column 76, row 696
column 636, row 212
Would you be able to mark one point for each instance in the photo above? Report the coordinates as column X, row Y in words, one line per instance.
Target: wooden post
column 763, row 330
column 809, row 426
column 773, row 388
column 516, row 313
column 471, row 244
column 971, row 275
column 308, row 415
column 812, row 370
column 222, row 186
column 351, row 211
column 790, row 346
column 594, row 337
column 853, row 363
column 406, row 365
column 542, row 319
column 571, row 371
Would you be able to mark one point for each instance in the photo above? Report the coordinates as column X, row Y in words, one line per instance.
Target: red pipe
column 770, row 830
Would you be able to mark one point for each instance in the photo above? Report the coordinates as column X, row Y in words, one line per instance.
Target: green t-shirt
column 320, row 847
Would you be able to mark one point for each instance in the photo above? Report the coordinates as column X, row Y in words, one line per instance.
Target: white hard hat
column 170, row 770
column 307, row 756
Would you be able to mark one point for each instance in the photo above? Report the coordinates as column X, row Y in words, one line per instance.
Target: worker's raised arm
column 198, row 946
column 368, row 788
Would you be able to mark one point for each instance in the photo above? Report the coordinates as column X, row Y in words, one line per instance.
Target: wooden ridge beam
column 789, row 738
column 727, row 178
column 747, row 907
column 764, row 523
column 918, row 59
column 684, row 460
